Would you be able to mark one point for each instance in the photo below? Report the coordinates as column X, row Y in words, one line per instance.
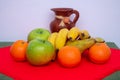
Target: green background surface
column 113, row 76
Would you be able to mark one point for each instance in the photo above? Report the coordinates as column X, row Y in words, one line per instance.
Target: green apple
column 38, row 33
column 40, row 52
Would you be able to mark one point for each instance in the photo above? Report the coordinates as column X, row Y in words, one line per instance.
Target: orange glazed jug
column 62, row 19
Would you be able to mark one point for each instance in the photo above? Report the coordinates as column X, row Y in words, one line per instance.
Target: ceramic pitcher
column 62, row 19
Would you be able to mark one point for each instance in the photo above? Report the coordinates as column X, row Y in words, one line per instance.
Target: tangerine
column 99, row 53
column 18, row 50
column 69, row 56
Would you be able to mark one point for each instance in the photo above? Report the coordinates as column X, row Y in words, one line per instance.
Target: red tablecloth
column 85, row 71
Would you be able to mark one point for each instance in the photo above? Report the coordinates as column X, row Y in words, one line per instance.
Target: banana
column 82, row 44
column 73, row 33
column 84, row 34
column 61, row 38
column 99, row 40
column 52, row 38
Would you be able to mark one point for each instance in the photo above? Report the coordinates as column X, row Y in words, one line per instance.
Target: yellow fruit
column 69, row 56
column 73, row 33
column 99, row 53
column 84, row 34
column 61, row 38
column 52, row 38
column 99, row 40
column 82, row 44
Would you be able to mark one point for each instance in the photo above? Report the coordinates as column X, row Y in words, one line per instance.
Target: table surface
column 113, row 76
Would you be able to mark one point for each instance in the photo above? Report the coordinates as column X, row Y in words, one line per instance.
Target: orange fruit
column 69, row 56
column 18, row 50
column 99, row 53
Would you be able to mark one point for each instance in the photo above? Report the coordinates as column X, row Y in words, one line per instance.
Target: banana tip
column 70, row 38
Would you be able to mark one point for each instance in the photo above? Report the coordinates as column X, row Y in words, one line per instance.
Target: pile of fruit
column 65, row 46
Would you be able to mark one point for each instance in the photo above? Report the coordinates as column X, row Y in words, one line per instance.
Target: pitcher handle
column 76, row 16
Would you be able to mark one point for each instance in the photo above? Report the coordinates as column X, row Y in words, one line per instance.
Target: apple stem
column 43, row 41
column 40, row 32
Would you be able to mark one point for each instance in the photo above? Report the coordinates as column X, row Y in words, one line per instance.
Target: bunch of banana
column 74, row 36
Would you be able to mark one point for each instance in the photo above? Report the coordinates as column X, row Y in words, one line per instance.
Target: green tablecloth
column 113, row 76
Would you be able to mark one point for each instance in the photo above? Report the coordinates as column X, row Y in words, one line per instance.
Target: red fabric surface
column 85, row 71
